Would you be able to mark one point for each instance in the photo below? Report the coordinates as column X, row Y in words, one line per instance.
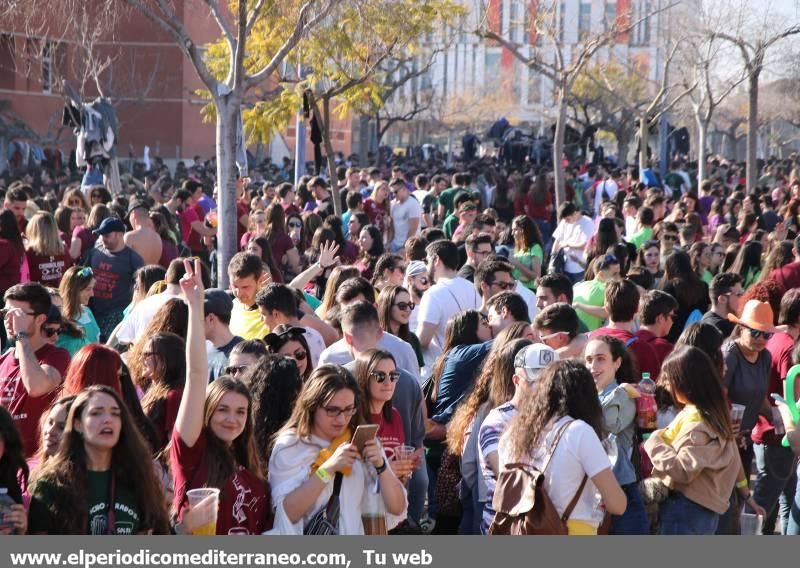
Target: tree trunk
column 326, row 139
column 752, row 129
column 226, row 107
column 702, row 137
column 450, row 147
column 363, row 139
column 558, row 147
column 644, row 138
column 623, row 146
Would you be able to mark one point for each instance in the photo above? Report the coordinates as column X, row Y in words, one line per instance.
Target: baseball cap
column 217, row 302
column 110, row 225
column 532, row 359
column 136, row 204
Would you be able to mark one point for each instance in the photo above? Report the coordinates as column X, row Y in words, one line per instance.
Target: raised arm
column 189, row 423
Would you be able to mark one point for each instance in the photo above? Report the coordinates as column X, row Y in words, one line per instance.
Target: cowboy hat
column 755, row 315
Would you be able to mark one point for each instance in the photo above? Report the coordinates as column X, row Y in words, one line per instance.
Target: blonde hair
column 43, row 235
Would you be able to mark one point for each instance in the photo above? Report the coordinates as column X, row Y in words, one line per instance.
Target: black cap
column 217, row 302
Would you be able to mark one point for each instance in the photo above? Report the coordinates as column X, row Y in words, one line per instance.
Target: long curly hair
column 66, row 473
column 172, row 317
column 565, row 388
column 493, row 387
column 275, row 384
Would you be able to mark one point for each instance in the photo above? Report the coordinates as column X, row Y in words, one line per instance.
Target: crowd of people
column 634, row 347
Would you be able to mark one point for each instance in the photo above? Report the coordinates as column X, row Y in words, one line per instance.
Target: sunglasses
column 299, row 355
column 335, row 411
column 5, row 311
column 235, row 370
column 755, row 333
column 553, row 335
column 295, row 225
column 504, row 285
column 51, row 331
column 669, row 238
column 381, row 376
column 424, row 280
column 403, row 306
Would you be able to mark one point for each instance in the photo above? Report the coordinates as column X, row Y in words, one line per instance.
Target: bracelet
column 382, row 467
column 323, row 474
column 741, row 484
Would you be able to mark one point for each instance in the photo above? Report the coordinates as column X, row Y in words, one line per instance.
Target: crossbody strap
column 552, row 450
column 574, row 502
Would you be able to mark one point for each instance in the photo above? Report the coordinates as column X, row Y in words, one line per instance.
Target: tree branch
column 237, row 67
column 251, row 20
column 213, row 5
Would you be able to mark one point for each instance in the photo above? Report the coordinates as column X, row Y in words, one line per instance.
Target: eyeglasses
column 482, row 252
column 405, row 306
column 504, row 285
column 423, row 280
column 552, row 335
column 335, row 411
column 235, row 370
column 755, row 333
column 669, row 238
column 381, row 376
column 295, row 225
column 51, row 331
column 85, row 272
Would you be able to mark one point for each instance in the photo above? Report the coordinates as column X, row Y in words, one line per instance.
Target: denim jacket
column 619, row 412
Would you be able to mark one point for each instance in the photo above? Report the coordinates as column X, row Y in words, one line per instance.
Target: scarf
column 326, row 453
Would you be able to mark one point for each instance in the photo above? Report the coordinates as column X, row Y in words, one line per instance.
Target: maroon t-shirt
column 642, row 352
column 27, row 410
column 780, row 347
column 87, row 238
column 280, row 244
column 244, row 503
column 787, row 277
column 662, row 346
column 242, row 210
column 10, row 264
column 46, row 269
column 193, row 239
column 166, row 423
column 390, row 434
column 376, row 212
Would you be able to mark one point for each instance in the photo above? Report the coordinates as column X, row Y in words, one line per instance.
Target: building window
column 492, row 62
column 48, row 74
column 610, row 16
column 584, row 20
column 640, row 34
column 7, row 63
column 534, row 87
column 562, row 10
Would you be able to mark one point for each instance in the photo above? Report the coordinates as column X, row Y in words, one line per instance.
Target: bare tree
column 753, row 41
column 561, row 66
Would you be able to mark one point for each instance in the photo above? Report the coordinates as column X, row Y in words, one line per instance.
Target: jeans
column 775, row 483
column 472, row 510
column 634, row 519
column 793, row 526
column 680, row 515
column 417, row 492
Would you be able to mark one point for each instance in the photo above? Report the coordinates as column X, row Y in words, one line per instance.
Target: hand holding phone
column 362, row 434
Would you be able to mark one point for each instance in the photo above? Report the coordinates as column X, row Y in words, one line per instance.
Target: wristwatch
column 382, row 467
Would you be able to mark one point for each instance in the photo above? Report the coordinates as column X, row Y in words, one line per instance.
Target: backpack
column 521, row 502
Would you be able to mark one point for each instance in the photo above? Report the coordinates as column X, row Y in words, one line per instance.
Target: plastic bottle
column 646, row 409
column 6, row 502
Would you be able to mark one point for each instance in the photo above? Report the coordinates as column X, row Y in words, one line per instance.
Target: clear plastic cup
column 404, row 452
column 750, row 523
column 205, row 504
column 737, row 412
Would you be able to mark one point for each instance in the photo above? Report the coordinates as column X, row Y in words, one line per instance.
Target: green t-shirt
column 91, row 331
column 446, row 199
column 126, row 515
column 640, row 236
column 591, row 293
column 526, row 257
column 449, row 226
column 312, row 301
column 707, row 277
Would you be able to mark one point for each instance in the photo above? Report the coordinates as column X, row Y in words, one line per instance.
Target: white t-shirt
column 579, row 452
column 574, row 237
column 606, row 190
column 316, row 345
column 529, row 297
column 402, row 213
column 133, row 326
column 338, row 353
column 443, row 300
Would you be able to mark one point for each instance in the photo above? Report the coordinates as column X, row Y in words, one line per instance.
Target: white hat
column 533, row 358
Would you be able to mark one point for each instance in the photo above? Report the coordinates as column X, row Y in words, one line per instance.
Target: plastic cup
column 208, row 516
column 750, row 524
column 737, row 412
column 404, row 452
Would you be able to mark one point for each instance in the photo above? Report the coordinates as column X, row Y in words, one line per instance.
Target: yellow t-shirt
column 686, row 417
column 246, row 323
